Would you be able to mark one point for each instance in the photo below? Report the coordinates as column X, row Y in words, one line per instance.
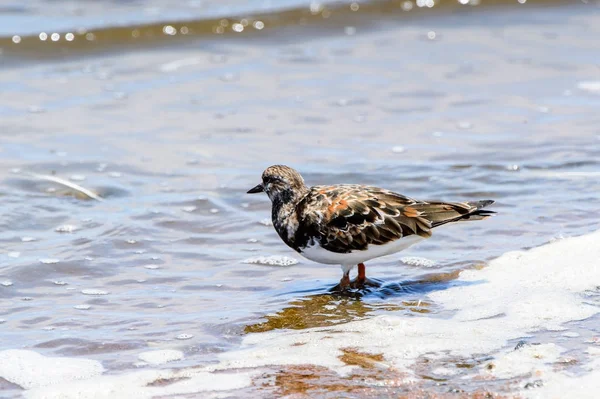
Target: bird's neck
column 284, row 215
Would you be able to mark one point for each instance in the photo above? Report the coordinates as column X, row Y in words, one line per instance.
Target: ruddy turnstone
column 349, row 224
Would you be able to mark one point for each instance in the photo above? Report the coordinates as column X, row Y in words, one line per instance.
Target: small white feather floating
column 66, row 183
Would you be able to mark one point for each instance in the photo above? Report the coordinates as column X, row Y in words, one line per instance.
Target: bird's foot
column 344, row 284
column 362, row 283
column 356, row 285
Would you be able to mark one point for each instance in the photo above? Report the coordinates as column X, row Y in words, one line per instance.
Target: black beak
column 257, row 189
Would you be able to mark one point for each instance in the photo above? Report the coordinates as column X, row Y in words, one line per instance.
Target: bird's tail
column 440, row 213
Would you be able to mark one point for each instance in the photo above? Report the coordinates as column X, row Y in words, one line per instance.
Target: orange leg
column 362, row 276
column 345, row 281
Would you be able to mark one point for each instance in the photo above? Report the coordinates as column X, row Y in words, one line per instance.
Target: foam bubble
column 93, row 291
column 417, row 261
column 266, row 222
column 273, row 260
column 589, row 86
column 49, row 261
column 65, row 228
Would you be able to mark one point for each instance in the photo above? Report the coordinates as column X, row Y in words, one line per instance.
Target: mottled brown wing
column 440, row 213
column 347, row 217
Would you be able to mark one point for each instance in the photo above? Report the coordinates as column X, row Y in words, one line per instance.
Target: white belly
column 320, row 255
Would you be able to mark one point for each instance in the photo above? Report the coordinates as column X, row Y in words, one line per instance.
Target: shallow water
column 456, row 103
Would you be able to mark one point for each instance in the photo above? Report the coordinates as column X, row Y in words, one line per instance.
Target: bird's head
column 281, row 183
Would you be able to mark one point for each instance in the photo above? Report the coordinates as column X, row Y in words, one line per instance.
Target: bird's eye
column 272, row 179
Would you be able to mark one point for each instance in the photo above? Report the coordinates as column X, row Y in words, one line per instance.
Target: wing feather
column 355, row 217
column 345, row 218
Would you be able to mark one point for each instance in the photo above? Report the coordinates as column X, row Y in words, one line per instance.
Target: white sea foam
column 139, row 385
column 75, row 378
column 30, row 370
column 418, row 261
column 515, row 296
column 177, row 64
column 518, row 294
column 273, row 260
column 93, row 291
column 161, row 356
column 563, row 385
column 49, row 261
column 589, row 86
column 65, row 228
column 520, row 362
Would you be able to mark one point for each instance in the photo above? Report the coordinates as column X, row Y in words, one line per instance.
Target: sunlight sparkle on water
column 425, row 3
column 169, row 30
column 315, row 7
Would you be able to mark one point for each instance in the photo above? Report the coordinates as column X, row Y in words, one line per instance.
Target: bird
column 350, row 224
